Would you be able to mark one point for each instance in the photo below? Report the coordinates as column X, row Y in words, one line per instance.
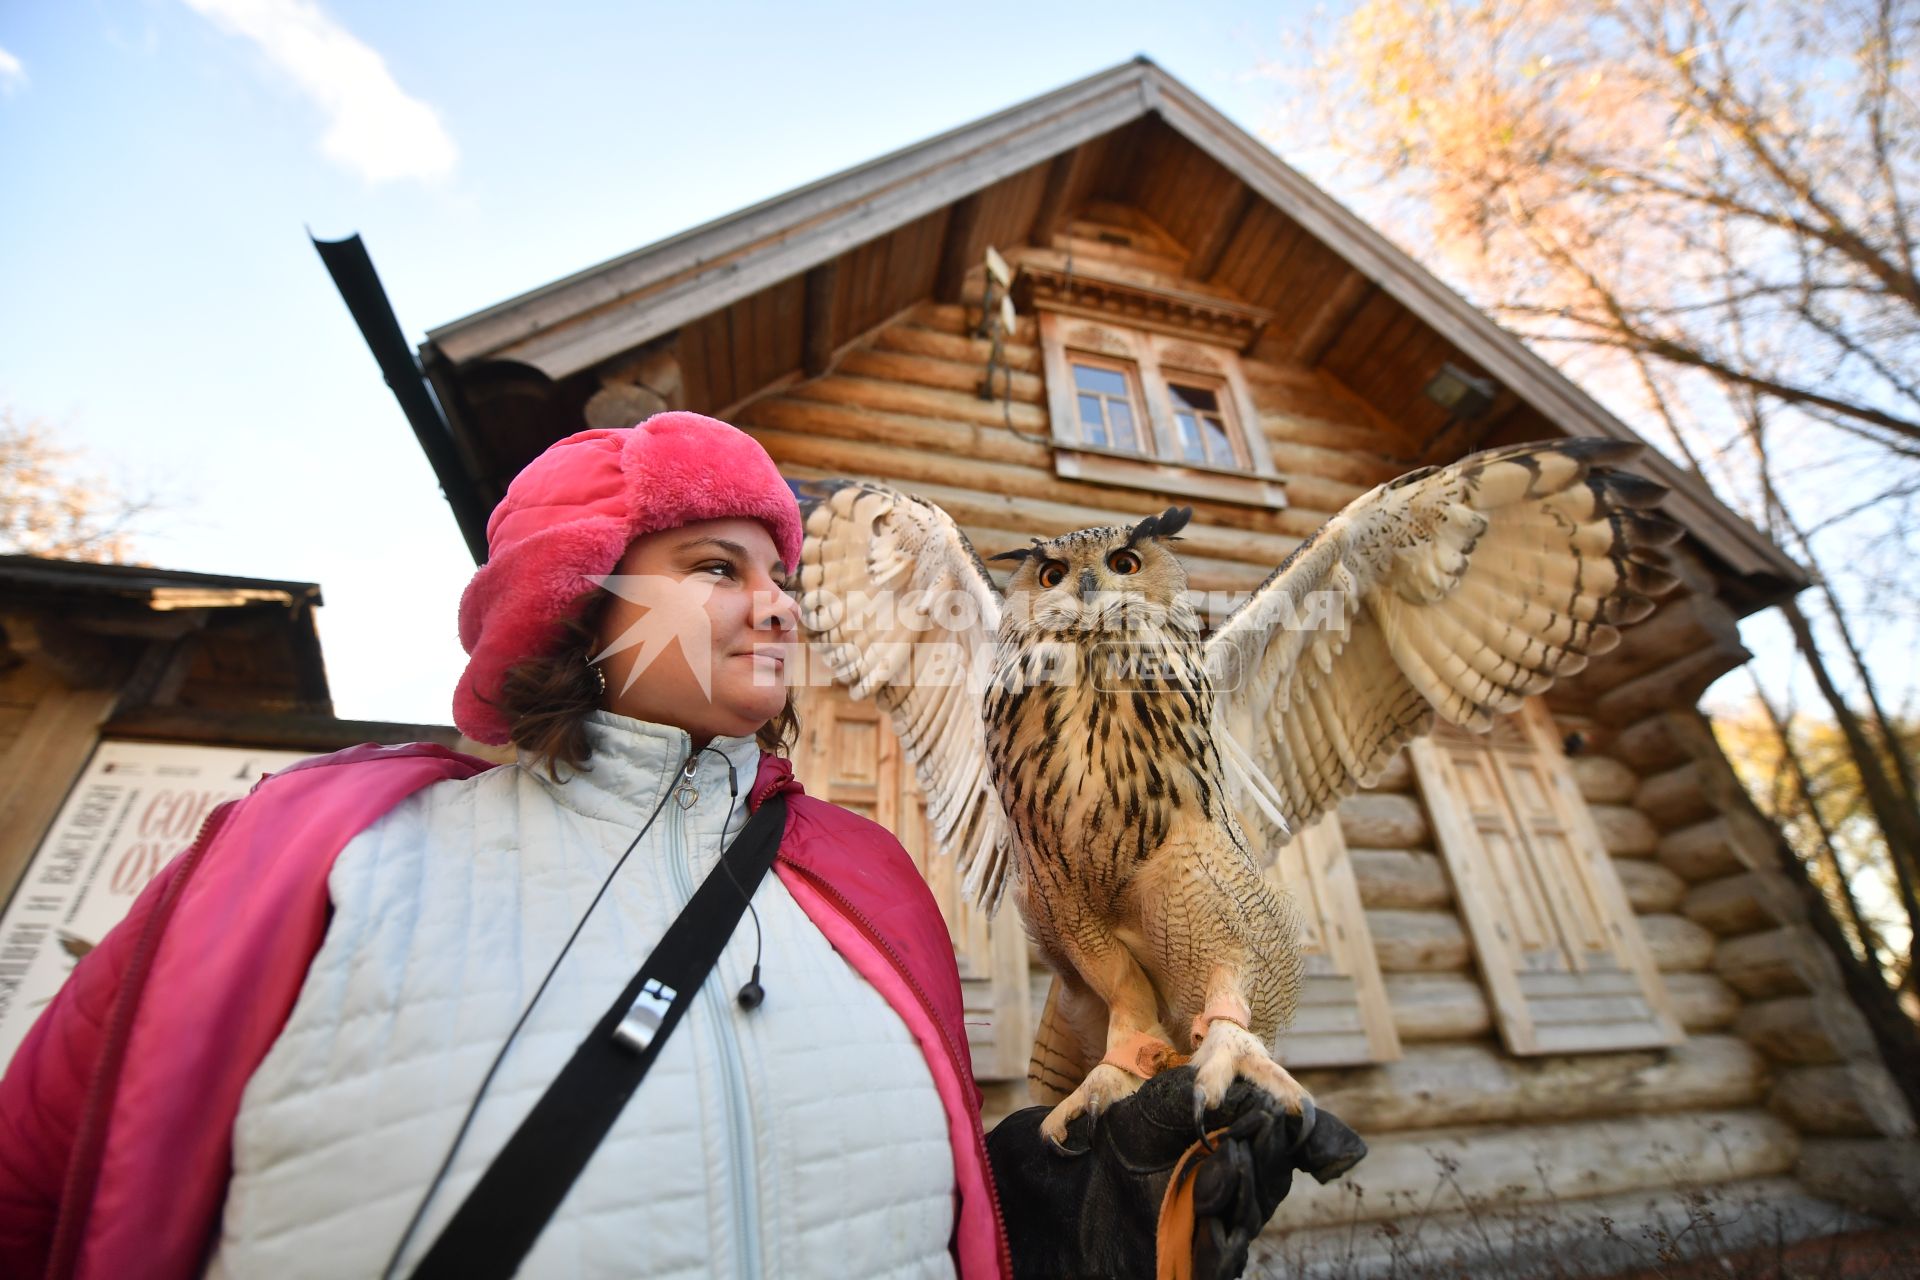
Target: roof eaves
column 163, row 588
column 595, row 314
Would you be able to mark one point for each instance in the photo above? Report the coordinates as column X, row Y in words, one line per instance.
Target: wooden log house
column 133, row 700
column 1561, row 961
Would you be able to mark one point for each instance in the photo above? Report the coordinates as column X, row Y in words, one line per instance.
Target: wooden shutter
column 848, row 754
column 1559, row 948
column 1343, row 1018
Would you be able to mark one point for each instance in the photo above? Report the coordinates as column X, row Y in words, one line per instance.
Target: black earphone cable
column 473, row 1108
column 751, row 993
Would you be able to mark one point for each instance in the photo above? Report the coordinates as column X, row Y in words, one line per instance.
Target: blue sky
column 160, row 304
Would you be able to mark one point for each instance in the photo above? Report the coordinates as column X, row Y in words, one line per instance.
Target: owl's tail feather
column 1059, row 1062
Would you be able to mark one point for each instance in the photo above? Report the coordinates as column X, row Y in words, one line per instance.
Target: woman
column 318, row 1028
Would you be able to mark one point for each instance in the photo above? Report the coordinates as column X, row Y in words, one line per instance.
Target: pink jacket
column 116, row 1115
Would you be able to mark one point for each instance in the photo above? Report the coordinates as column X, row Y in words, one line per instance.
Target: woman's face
column 700, row 630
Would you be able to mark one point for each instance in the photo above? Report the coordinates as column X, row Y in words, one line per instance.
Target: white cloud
column 374, row 127
column 13, row 75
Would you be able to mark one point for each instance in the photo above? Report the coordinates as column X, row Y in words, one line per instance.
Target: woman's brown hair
column 546, row 700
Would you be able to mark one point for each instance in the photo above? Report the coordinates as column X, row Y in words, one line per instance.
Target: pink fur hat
column 571, row 514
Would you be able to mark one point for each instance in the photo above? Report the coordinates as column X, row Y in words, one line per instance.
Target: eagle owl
column 1085, row 741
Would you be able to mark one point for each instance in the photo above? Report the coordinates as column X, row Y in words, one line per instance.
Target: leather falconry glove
column 1103, row 1208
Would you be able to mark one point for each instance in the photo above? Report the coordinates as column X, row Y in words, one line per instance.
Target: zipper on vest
column 743, row 1170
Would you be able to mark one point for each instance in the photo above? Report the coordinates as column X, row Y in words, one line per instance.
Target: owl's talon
column 1061, row 1149
column 1200, row 1118
column 1308, row 1114
column 1231, row 1051
column 1105, row 1085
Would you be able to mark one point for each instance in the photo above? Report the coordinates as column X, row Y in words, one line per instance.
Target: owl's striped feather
column 1457, row 591
column 872, row 552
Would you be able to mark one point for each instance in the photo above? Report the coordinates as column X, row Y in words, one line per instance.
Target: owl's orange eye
column 1053, row 573
column 1123, row 562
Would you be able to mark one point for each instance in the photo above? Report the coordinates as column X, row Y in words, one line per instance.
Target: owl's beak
column 1087, row 584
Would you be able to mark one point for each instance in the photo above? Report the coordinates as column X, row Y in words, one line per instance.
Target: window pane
column 1090, row 410
column 1105, row 381
column 1219, row 446
column 1190, row 446
column 1193, row 398
column 1123, row 426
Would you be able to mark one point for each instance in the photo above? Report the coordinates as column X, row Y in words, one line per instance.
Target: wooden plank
column 1378, row 820
column 1326, row 1049
column 47, row 757
column 1588, row 1011
column 1419, row 941
column 1096, row 467
column 1677, row 686
column 947, row 375
column 1226, row 225
column 1744, row 903
column 1333, row 316
column 913, row 338
column 1437, row 1006
column 1651, row 888
column 1703, row 1001
column 1553, row 985
column 1400, row 878
column 819, row 335
column 958, row 251
column 1860, row 1098
column 1323, row 1018
column 1477, row 1084
column 1546, row 1163
column 1065, row 175
column 1603, row 779
column 931, row 402
column 1641, row 1033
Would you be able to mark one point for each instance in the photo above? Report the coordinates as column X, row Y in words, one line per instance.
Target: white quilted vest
column 802, row 1139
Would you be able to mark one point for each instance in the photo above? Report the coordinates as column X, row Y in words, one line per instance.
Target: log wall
column 1789, row 1001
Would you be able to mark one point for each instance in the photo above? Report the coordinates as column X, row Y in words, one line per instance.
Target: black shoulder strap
column 509, row 1207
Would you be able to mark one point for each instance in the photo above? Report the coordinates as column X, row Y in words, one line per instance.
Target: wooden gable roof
column 772, row 291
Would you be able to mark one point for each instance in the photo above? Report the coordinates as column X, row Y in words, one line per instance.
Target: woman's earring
column 600, row 677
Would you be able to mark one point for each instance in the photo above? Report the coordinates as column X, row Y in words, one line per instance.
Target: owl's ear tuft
column 1164, row 525
column 1019, row 553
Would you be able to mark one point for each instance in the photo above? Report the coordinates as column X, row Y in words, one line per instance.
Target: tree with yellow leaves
column 48, row 507
column 1707, row 212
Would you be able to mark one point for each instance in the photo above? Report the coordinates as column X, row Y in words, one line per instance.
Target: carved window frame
column 1157, row 358
column 1129, row 371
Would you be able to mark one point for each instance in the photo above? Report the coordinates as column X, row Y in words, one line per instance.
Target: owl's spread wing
column 906, row 614
column 1458, row 591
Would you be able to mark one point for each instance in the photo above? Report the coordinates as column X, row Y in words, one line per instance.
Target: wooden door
column 1343, row 1018
column 1559, row 948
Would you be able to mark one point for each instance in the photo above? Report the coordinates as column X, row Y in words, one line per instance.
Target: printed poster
column 136, row 806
